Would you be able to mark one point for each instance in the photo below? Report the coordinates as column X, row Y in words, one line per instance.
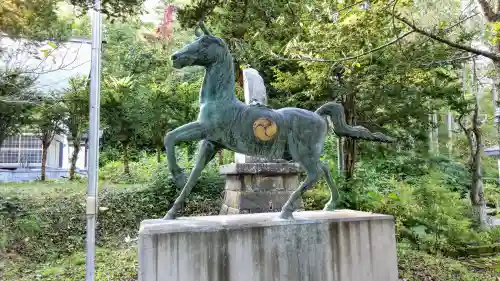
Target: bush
column 140, row 172
column 428, row 206
column 118, row 264
column 39, row 228
column 428, row 213
column 419, row 266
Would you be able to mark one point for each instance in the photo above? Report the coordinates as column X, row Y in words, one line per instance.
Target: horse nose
column 175, row 56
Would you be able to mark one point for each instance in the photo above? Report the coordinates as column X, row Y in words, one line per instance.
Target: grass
column 121, row 264
column 46, row 220
column 111, row 265
column 420, row 266
column 54, row 189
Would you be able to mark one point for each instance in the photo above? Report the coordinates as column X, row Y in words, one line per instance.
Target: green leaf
column 374, row 195
column 52, row 44
column 393, row 196
column 419, row 230
column 45, row 52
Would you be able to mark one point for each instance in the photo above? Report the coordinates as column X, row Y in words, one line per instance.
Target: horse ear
column 204, row 28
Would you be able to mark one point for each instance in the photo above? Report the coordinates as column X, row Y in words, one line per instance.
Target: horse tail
column 336, row 113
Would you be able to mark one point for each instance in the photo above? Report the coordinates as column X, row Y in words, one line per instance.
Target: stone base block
column 247, row 202
column 259, row 187
column 339, row 246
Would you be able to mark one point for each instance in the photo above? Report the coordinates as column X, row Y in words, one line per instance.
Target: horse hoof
column 169, row 216
column 286, row 215
column 329, row 207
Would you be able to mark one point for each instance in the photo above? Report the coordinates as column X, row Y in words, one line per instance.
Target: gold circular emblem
column 264, row 129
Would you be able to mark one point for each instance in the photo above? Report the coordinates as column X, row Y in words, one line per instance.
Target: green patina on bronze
column 226, row 122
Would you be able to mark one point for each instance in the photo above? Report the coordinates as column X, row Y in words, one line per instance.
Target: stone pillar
column 343, row 245
column 253, row 184
column 258, row 187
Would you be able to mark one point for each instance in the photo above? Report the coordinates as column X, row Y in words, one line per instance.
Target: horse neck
column 218, row 84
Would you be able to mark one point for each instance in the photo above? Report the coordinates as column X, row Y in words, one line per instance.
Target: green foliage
column 111, row 264
column 52, row 223
column 76, row 104
column 47, row 119
column 492, row 196
column 76, row 118
column 418, row 266
column 36, row 19
column 429, row 214
column 143, row 97
column 141, row 172
column 13, row 114
column 427, row 197
column 114, row 9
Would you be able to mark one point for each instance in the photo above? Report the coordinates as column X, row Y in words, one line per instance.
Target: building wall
column 26, row 150
column 81, row 162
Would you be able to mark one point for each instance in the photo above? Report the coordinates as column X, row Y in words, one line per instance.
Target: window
column 11, row 142
column 9, row 156
column 31, row 156
column 21, row 149
column 31, row 142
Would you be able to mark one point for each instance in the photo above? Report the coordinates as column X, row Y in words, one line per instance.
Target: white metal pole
column 95, row 86
column 340, row 156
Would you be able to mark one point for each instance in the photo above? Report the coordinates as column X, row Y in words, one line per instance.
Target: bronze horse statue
column 224, row 122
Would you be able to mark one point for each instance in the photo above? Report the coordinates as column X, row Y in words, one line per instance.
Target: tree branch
column 450, row 43
column 347, row 58
column 414, row 29
column 447, row 62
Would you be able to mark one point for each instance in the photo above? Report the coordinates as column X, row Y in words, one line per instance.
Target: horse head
column 206, row 50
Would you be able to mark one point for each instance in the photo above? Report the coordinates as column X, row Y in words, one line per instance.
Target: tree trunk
column 2, row 138
column 477, row 197
column 475, row 144
column 158, row 153
column 221, row 160
column 126, row 166
column 349, row 143
column 477, row 189
column 74, row 158
column 45, row 146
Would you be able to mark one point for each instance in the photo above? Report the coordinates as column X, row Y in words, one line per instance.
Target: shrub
column 428, row 210
column 140, row 172
column 38, row 228
column 418, row 266
column 118, row 264
column 316, row 198
column 492, row 196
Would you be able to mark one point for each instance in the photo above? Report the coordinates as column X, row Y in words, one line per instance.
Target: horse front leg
column 206, row 153
column 189, row 132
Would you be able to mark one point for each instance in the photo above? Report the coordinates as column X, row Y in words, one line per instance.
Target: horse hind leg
column 334, row 193
column 312, row 167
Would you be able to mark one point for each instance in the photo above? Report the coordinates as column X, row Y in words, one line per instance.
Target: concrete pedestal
column 258, row 187
column 317, row 246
